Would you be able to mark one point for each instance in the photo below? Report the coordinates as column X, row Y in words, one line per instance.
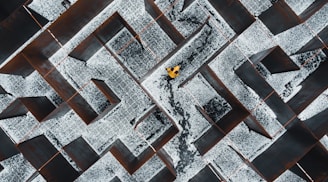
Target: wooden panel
column 7, row 147
column 163, row 22
column 318, row 124
column 315, row 163
column 37, row 150
column 163, row 175
column 279, row 17
column 58, row 169
column 278, row 61
column 206, row 174
column 312, row 87
column 252, row 78
column 234, row 13
column 15, row 109
column 285, row 152
column 17, row 66
column 40, row 107
column 210, row 138
column 72, row 20
column 86, row 49
column 81, row 153
column 15, row 31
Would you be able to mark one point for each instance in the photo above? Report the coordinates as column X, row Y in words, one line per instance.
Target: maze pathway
column 85, row 95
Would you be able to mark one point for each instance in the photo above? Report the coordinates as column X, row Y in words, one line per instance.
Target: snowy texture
column 256, row 7
column 317, row 106
column 248, row 142
column 298, row 6
column 154, row 111
column 17, row 168
column 294, row 38
column 289, row 176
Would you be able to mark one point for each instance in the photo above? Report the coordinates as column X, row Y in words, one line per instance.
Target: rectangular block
column 206, row 174
column 238, row 112
column 210, row 138
column 60, row 85
column 8, row 7
column 7, row 147
column 279, row 17
column 315, row 163
column 163, row 176
column 86, row 49
column 112, row 26
column 82, row 108
column 2, row 91
column 17, row 66
column 163, row 22
column 251, row 77
column 15, row 30
column 318, row 124
column 77, row 16
column 285, row 152
column 277, row 61
column 37, row 150
column 58, row 169
column 40, row 107
column 315, row 43
column 115, row 179
column 16, row 108
column 312, row 87
column 283, row 112
column 234, row 13
column 312, row 9
column 42, row 47
column 81, row 153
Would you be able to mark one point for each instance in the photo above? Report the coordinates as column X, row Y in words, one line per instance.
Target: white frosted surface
column 298, row 6
column 289, row 176
column 155, row 90
column 17, row 168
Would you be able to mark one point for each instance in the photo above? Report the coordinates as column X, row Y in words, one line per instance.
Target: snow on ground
column 248, row 142
column 17, row 168
column 135, row 57
column 256, row 7
column 225, row 160
column 220, row 23
column 49, row 9
column 318, row 21
column 324, row 141
column 254, row 39
column 266, row 117
column 294, row 38
column 289, row 176
column 298, row 6
column 317, row 106
column 224, row 65
column 246, row 174
column 177, row 103
column 39, row 178
column 187, row 21
column 308, row 63
column 19, row 127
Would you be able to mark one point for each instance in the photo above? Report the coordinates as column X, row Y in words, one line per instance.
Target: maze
column 85, row 96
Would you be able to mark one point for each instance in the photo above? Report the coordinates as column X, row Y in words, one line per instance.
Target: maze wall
column 84, row 93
